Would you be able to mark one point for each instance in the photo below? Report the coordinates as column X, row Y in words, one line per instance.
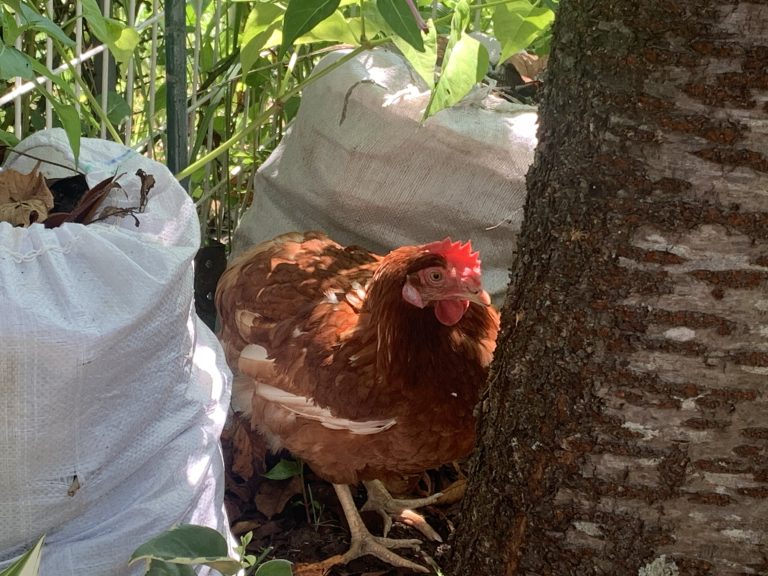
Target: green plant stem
column 261, row 118
column 490, row 4
column 91, row 98
column 447, row 17
column 363, row 39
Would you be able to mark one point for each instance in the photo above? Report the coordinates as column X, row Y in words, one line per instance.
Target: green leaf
column 117, row 108
column 101, row 27
column 519, row 23
column 335, row 28
column 161, row 568
column 28, row 564
column 124, row 45
column 259, row 74
column 422, row 62
column 261, row 17
column 285, row 469
column 459, row 23
column 301, row 16
column 460, row 19
column 290, row 109
column 120, row 39
column 8, row 138
column 275, row 568
column 70, row 121
column 42, row 70
column 8, row 23
column 263, row 20
column 187, row 545
column 374, row 22
column 467, row 65
column 39, row 22
column 397, row 14
column 14, row 63
column 252, row 52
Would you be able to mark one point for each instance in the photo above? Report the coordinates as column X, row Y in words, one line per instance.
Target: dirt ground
column 300, row 519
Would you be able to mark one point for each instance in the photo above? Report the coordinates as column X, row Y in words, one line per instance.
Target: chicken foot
column 381, row 501
column 363, row 542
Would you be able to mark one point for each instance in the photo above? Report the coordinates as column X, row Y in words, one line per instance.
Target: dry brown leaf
column 454, row 492
column 529, row 66
column 147, row 183
column 274, row 495
column 317, row 568
column 244, row 526
column 24, row 198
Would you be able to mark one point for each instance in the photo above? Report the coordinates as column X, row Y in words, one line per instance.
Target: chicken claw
column 381, row 501
column 363, row 542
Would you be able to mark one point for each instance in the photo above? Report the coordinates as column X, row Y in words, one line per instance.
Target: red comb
column 457, row 254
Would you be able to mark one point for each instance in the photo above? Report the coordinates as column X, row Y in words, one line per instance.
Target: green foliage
column 22, row 20
column 120, row 39
column 397, row 14
column 465, row 63
column 517, row 24
column 301, row 16
column 29, row 19
column 14, row 63
column 28, row 564
column 248, row 62
column 286, row 468
column 274, row 568
column 176, row 551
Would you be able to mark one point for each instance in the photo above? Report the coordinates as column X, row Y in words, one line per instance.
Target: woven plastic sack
column 359, row 164
column 113, row 393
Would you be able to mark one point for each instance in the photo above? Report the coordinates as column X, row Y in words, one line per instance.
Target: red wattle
column 449, row 312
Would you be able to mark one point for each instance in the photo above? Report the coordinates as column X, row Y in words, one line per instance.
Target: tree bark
column 627, row 411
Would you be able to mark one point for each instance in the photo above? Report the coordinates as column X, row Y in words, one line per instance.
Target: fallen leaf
column 24, row 198
column 147, row 183
column 244, row 526
column 86, row 208
column 529, row 66
column 265, row 531
column 317, row 568
column 274, row 495
column 454, row 492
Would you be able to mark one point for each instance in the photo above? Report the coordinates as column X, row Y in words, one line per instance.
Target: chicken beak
column 477, row 295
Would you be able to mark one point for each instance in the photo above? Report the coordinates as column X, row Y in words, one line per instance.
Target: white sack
column 106, row 374
column 358, row 165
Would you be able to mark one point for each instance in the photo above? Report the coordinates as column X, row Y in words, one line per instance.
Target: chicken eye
column 435, row 276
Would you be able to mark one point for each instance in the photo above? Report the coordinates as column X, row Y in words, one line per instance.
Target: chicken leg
column 363, row 542
column 381, row 501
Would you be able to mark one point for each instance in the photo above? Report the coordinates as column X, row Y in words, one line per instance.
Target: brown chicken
column 366, row 367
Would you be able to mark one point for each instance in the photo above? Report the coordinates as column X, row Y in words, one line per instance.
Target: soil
column 300, row 519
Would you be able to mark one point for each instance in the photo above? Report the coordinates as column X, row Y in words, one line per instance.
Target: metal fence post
column 176, row 84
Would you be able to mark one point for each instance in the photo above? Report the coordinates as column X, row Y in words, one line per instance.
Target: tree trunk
column 627, row 414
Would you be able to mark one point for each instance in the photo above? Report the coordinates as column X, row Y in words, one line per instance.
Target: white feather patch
column 331, row 297
column 306, row 408
column 244, row 320
column 242, row 394
column 254, row 352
